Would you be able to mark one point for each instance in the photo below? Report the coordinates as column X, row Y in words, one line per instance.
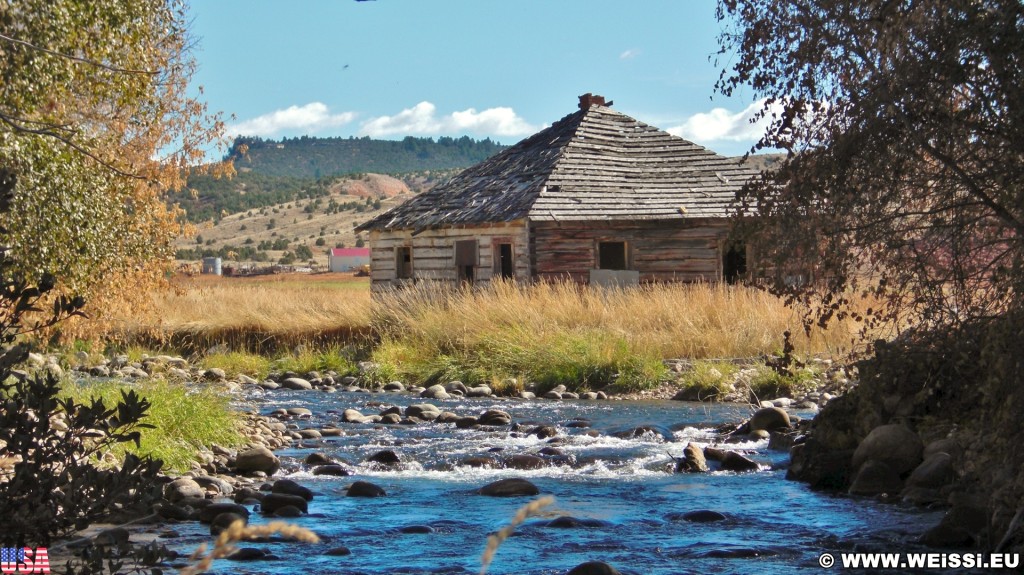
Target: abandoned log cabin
column 598, row 197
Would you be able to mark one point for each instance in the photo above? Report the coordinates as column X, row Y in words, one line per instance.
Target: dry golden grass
column 685, row 321
column 257, row 314
column 666, row 321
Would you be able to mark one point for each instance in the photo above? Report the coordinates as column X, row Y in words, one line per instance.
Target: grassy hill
column 296, row 231
column 291, row 200
column 271, row 172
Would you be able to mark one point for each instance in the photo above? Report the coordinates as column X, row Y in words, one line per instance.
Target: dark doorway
column 466, row 259
column 504, row 266
column 734, row 263
column 403, row 262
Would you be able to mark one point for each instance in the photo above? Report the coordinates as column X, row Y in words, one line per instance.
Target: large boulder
column 274, row 501
column 733, row 461
column 495, row 417
column 352, row 416
column 895, row 444
column 210, row 512
column 385, row 457
column 257, row 459
column 594, row 568
column 435, row 392
column 769, row 419
column 365, row 489
column 512, row 487
column 934, row 472
column 182, row 488
column 296, row 383
column 875, row 478
column 225, row 520
column 467, row 422
column 692, row 461
column 479, row 391
column 524, row 461
column 703, row 516
column 456, row 387
column 645, row 431
column 544, row 431
column 207, row 482
column 570, row 522
column 318, row 459
column 820, row 466
column 289, row 487
column 424, row 411
column 332, row 469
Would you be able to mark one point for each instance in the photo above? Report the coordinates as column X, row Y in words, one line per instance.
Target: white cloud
column 308, row 119
column 422, row 119
column 499, row 121
column 629, row 54
column 722, row 125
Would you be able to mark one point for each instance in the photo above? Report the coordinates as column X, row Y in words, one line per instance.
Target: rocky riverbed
column 640, row 484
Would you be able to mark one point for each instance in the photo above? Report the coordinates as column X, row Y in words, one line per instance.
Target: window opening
column 612, row 256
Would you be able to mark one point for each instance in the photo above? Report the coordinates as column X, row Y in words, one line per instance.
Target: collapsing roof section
column 594, row 164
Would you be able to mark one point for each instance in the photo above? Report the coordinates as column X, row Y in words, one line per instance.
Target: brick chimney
column 587, row 100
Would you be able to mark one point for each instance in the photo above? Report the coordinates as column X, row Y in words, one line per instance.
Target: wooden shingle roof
column 594, row 164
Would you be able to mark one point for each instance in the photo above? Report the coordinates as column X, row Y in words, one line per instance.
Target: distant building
column 347, row 259
column 212, row 266
column 598, row 197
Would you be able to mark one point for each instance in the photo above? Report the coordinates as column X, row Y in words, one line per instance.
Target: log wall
column 662, row 251
column 433, row 252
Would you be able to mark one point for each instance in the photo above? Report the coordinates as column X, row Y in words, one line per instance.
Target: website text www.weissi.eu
column 921, row 560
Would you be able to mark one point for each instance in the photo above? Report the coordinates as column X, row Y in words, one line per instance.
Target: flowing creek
column 629, row 502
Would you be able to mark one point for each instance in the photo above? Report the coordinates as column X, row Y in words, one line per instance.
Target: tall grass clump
column 186, row 419
column 238, row 362
column 261, row 317
column 327, row 358
column 561, row 333
column 544, row 333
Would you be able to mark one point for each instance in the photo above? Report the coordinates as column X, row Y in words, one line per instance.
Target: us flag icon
column 24, row 560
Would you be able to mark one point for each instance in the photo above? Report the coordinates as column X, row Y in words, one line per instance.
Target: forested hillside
column 309, row 157
column 271, row 172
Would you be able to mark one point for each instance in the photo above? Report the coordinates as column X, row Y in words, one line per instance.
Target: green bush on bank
column 186, row 418
column 709, row 380
column 768, row 383
column 238, row 363
column 583, row 360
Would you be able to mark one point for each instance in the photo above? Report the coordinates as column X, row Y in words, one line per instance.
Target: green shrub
column 708, row 380
column 768, row 383
column 185, row 419
column 580, row 361
column 238, row 362
column 308, row 359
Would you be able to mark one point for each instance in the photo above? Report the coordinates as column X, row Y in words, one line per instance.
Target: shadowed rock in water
column 512, row 487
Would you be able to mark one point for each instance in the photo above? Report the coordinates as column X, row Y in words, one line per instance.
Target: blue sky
column 498, row 69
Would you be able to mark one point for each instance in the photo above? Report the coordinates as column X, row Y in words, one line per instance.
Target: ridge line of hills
column 293, row 199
